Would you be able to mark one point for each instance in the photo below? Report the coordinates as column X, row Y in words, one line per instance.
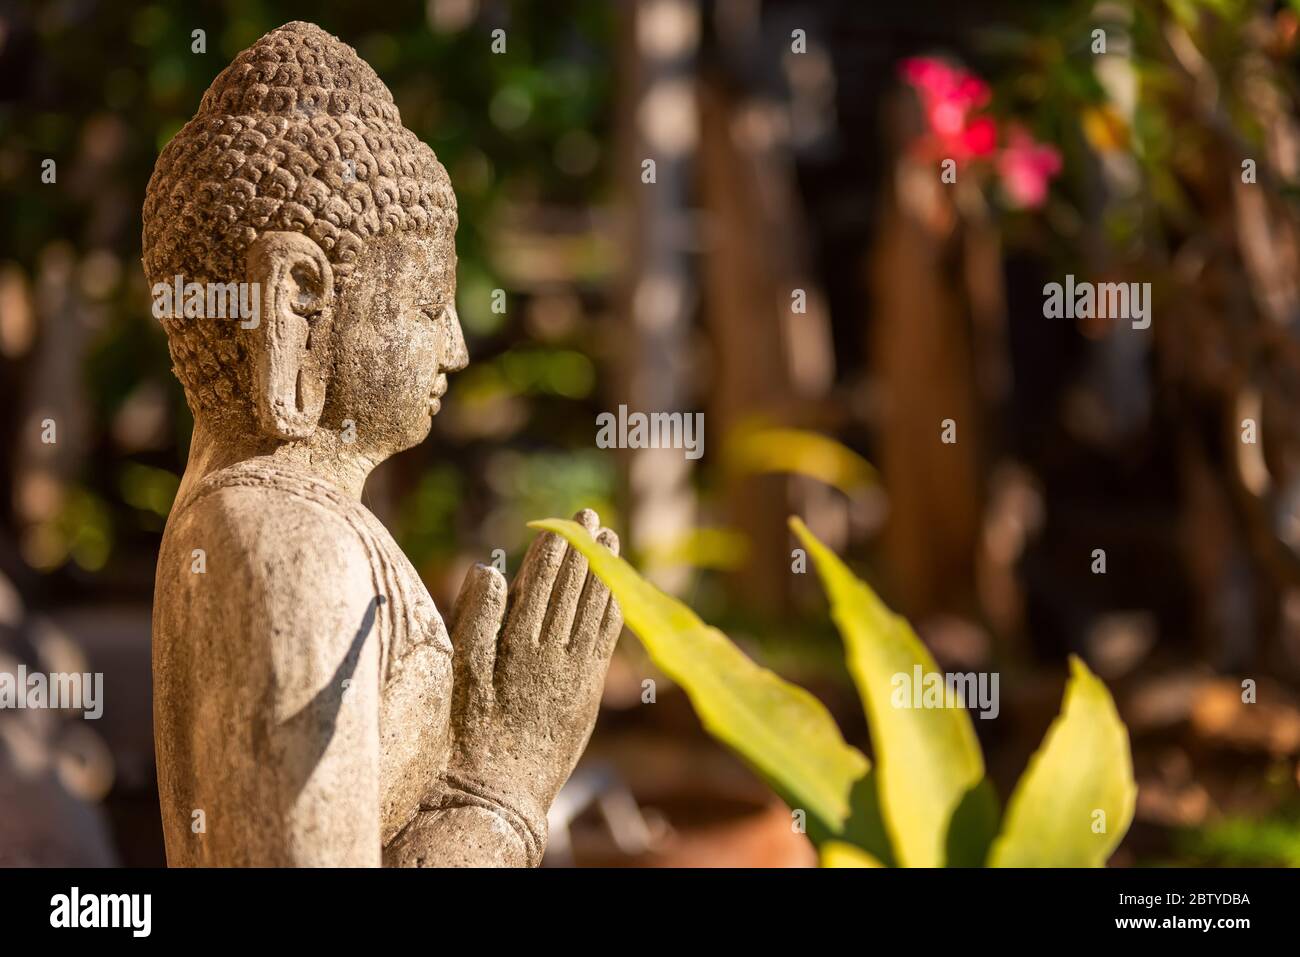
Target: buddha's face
column 396, row 337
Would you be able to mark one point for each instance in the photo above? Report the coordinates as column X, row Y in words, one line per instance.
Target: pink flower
column 951, row 99
column 938, row 83
column 1026, row 167
column 949, row 95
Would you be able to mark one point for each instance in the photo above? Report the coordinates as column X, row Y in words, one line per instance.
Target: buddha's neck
column 323, row 456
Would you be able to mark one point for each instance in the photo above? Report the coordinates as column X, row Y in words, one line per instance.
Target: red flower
column 949, row 95
column 980, row 136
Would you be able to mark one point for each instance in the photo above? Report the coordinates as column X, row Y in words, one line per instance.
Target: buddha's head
column 297, row 175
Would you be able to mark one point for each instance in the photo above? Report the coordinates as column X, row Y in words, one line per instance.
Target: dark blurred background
column 798, row 263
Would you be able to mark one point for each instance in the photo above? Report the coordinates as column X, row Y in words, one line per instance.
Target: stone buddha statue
column 310, row 705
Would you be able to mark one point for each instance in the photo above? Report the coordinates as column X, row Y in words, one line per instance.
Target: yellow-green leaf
column 785, row 733
column 723, row 548
column 839, row 854
column 927, row 759
column 757, row 449
column 1074, row 803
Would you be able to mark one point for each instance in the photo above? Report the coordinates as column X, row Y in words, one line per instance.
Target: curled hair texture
column 298, row 134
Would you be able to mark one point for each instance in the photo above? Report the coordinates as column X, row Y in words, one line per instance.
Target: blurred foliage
column 528, row 484
column 1269, row 841
column 80, row 531
column 561, row 372
column 149, row 489
column 1043, row 68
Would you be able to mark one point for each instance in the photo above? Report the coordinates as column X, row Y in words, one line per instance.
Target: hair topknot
column 297, row 134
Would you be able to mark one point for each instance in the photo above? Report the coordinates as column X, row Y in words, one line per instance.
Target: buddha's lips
column 435, row 394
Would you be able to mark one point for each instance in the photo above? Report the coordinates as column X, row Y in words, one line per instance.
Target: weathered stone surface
column 311, row 708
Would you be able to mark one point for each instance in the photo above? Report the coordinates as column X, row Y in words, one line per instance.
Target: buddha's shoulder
column 264, row 519
column 260, row 575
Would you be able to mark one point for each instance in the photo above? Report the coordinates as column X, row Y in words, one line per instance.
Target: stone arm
column 529, row 667
column 266, row 660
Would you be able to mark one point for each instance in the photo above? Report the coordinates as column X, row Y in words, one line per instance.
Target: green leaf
column 785, row 733
column 1082, row 767
column 973, row 826
column 839, row 854
column 927, row 759
column 865, row 827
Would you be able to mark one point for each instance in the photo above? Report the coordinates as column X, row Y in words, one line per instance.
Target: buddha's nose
column 455, row 354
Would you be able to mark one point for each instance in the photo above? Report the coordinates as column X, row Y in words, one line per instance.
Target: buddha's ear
column 290, row 345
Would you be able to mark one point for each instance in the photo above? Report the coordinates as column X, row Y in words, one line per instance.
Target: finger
column 558, row 624
column 530, row 592
column 611, row 626
column 478, row 613
column 594, row 601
